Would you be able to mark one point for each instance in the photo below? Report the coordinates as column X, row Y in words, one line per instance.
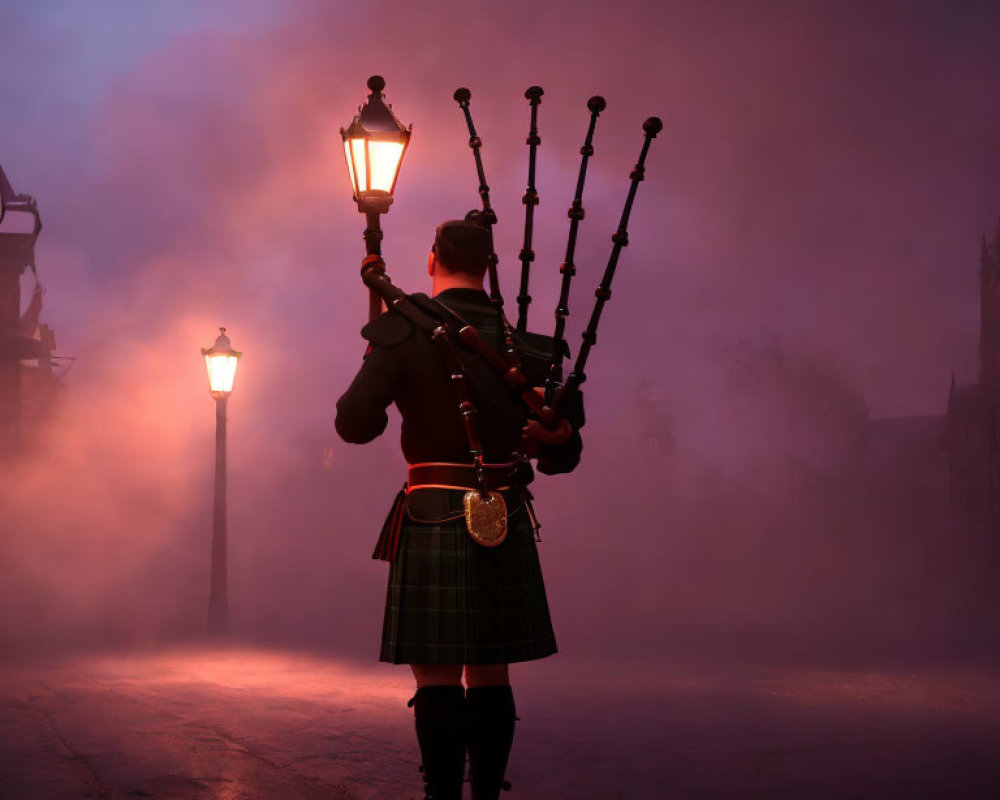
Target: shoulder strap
column 373, row 275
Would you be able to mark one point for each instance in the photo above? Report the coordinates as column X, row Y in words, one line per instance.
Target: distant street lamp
column 374, row 145
column 221, row 361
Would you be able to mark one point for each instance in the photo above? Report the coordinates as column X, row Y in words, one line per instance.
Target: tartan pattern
column 452, row 601
column 387, row 545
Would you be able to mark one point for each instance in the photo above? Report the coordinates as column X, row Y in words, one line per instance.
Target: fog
column 803, row 259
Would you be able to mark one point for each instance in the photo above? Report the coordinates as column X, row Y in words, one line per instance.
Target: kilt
column 452, row 601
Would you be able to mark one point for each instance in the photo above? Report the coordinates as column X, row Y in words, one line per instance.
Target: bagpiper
column 480, row 400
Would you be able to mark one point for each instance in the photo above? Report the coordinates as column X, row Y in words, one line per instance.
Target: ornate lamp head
column 221, row 361
column 374, row 145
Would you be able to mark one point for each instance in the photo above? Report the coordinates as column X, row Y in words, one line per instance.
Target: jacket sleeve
column 554, row 459
column 361, row 410
column 557, row 458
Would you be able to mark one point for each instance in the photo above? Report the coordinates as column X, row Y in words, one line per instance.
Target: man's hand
column 535, row 430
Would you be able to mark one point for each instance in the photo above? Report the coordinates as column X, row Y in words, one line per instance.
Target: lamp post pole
column 221, row 361
column 218, row 601
column 374, row 145
column 373, row 247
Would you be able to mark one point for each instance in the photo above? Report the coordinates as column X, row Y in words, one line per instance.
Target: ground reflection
column 232, row 723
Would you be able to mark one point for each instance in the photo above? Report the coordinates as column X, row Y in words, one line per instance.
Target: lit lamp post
column 374, row 144
column 221, row 361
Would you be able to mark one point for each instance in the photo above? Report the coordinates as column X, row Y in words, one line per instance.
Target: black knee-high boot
column 439, row 713
column 491, row 717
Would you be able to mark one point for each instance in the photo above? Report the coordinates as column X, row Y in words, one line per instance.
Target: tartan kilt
column 452, row 601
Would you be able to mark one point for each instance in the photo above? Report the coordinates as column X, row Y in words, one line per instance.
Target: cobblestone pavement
column 249, row 724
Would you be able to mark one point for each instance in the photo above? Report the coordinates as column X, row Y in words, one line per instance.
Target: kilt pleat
column 452, row 601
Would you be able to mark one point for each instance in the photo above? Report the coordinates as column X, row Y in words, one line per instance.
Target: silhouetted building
column 972, row 416
column 16, row 255
column 29, row 388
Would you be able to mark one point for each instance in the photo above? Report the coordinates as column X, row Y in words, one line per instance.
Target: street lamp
column 374, row 145
column 221, row 361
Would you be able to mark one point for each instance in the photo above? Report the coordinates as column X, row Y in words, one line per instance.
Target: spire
column 985, row 264
column 987, row 316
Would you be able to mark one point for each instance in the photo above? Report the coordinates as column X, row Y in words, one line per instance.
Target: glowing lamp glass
column 221, row 373
column 349, row 154
column 384, row 159
column 373, row 165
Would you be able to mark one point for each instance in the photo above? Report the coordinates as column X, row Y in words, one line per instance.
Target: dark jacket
column 404, row 367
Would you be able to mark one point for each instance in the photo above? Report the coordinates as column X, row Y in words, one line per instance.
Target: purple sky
column 823, row 180
column 805, row 247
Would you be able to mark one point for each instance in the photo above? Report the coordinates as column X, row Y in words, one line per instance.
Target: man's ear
column 430, row 264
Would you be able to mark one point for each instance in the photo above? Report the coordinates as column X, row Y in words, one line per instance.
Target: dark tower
column 974, row 411
column 17, row 253
column 989, row 316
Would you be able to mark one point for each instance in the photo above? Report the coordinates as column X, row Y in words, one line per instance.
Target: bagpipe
column 548, row 406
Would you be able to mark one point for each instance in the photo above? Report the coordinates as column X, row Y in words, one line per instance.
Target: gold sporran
column 486, row 517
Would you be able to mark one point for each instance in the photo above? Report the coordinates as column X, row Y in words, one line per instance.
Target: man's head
column 461, row 247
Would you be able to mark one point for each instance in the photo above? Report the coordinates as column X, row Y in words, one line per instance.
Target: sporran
column 486, row 517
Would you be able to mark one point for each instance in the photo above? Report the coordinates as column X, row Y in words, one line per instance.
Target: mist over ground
column 803, row 258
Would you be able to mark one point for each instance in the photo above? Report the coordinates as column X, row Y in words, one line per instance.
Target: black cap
column 462, row 246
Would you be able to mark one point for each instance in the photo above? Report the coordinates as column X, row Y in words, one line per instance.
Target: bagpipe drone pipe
column 559, row 394
column 549, row 407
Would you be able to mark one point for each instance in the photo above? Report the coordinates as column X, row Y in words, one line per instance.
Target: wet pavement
column 251, row 724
